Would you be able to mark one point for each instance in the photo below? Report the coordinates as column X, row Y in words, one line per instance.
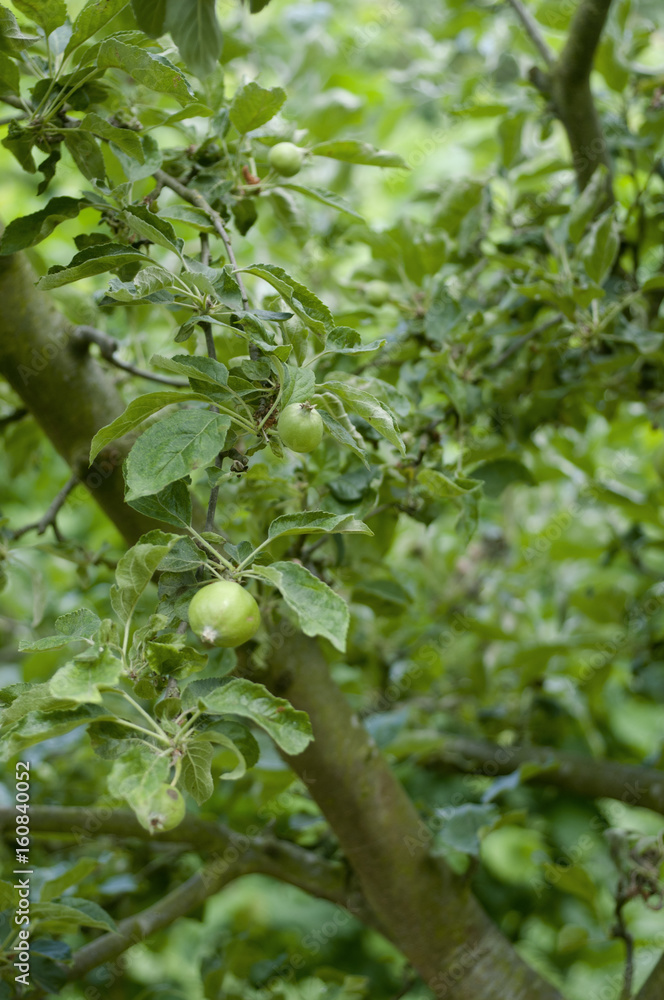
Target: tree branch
column 572, row 95
column 221, row 846
column 533, row 31
column 86, row 335
column 584, row 776
column 197, row 199
column 567, row 82
column 68, row 393
column 49, row 518
column 131, row 931
column 426, row 910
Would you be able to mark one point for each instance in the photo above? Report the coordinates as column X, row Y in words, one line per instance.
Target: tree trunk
column 426, row 910
column 67, row 391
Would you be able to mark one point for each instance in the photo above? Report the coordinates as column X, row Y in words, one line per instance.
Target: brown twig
column 195, row 198
column 86, row 335
column 533, row 31
column 48, row 520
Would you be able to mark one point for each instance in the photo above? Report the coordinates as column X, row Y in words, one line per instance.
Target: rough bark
column 429, row 912
column 65, row 389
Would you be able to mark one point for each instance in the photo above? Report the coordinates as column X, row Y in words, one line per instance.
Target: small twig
column 12, row 417
column 86, row 335
column 212, row 353
column 533, row 31
column 621, row 931
column 195, row 198
column 49, row 518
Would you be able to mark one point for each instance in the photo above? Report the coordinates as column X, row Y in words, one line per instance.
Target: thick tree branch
column 567, row 82
column 571, row 91
column 69, row 394
column 576, row 59
column 584, row 776
column 427, row 911
column 170, row 908
column 108, row 346
column 221, row 846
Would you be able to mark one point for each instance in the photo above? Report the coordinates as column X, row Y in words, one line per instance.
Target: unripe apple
column 378, row 292
column 286, row 158
column 224, row 614
column 300, row 427
column 167, row 809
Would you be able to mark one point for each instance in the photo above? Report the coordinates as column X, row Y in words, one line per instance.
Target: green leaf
column 339, row 432
column 353, row 151
column 316, row 522
column 184, row 557
column 55, row 886
column 252, row 106
column 304, row 303
column 599, row 248
column 135, row 170
column 28, row 230
column 10, row 80
column 155, row 73
column 439, row 486
column 137, row 777
column 462, row 826
column 200, row 368
column 93, row 260
column 12, row 39
column 85, row 153
column 35, row 698
column 319, row 610
column 135, row 570
column 19, row 141
column 137, row 411
column 72, row 914
column 125, row 138
column 587, row 204
column 149, row 226
column 367, row 407
column 172, row 505
column 49, row 14
column 78, row 624
column 325, row 197
column 80, row 680
column 145, row 286
column 171, row 448
column 289, row 728
column 299, row 385
column 195, row 30
column 150, row 16
column 94, row 16
column 196, row 776
column 244, row 748
column 344, row 340
column 35, row 727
